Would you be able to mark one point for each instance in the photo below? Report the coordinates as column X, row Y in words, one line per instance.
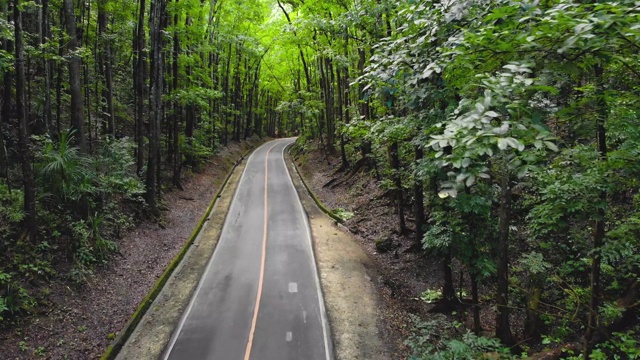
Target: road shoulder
column 346, row 274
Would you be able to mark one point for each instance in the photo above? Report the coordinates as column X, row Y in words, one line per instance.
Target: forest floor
column 403, row 274
column 75, row 323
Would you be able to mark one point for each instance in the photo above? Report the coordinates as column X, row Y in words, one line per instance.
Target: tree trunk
column 155, row 26
column 227, row 95
column 48, row 68
column 503, row 327
column 75, row 70
column 59, row 77
column 176, row 155
column 26, row 157
column 448, row 289
column 599, row 232
column 475, row 299
column 106, row 68
column 397, row 180
column 139, row 84
column 5, row 106
column 418, row 198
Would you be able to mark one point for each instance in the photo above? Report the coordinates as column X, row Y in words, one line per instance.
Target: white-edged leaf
column 502, row 144
column 514, row 143
column 551, row 146
column 470, row 180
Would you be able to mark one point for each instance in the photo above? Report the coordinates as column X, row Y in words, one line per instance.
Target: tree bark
column 503, row 327
column 176, row 154
column 599, row 232
column 75, row 71
column 106, row 68
column 448, row 289
column 155, row 20
column 5, row 106
column 397, row 180
column 139, row 84
column 26, row 156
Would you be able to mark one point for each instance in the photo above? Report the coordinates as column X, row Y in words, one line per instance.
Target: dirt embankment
column 401, row 275
column 81, row 323
column 348, row 277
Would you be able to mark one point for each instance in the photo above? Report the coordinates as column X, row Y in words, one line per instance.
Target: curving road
column 260, row 297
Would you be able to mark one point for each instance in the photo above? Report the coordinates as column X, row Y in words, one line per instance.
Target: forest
column 506, row 134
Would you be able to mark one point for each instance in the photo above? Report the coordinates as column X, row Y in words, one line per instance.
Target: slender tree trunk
column 331, row 116
column 341, row 117
column 4, row 161
column 155, row 26
column 397, row 180
column 139, row 84
column 106, row 67
column 75, row 71
column 448, row 289
column 418, row 196
column 26, row 157
column 44, row 35
column 503, row 327
column 600, row 223
column 475, row 299
column 364, row 106
column 237, row 96
column 177, row 110
column 59, row 85
column 227, row 95
column 48, row 74
column 5, row 106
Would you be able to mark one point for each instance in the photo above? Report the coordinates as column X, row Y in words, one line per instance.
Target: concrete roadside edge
column 313, row 196
column 123, row 336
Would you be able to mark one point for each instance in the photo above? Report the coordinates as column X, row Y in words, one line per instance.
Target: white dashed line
column 293, row 287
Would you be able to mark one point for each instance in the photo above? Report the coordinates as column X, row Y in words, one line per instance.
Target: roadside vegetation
column 506, row 135
column 105, row 107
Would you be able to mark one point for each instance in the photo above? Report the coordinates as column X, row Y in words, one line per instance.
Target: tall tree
column 75, row 71
column 26, row 157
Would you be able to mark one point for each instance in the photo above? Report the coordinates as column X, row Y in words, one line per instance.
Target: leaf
column 443, row 194
column 502, row 144
column 514, row 143
column 470, row 180
column 551, row 146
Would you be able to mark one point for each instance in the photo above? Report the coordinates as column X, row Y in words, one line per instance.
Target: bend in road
column 260, row 296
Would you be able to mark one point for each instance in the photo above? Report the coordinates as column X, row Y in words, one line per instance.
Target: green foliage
column 343, row 214
column 430, row 296
column 440, row 339
column 87, row 195
column 11, row 212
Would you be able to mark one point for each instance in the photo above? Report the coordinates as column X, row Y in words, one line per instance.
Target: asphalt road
column 260, row 297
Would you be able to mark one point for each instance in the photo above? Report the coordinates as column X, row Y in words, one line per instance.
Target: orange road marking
column 247, row 353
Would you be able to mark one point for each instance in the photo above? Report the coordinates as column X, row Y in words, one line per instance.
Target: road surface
column 260, row 297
